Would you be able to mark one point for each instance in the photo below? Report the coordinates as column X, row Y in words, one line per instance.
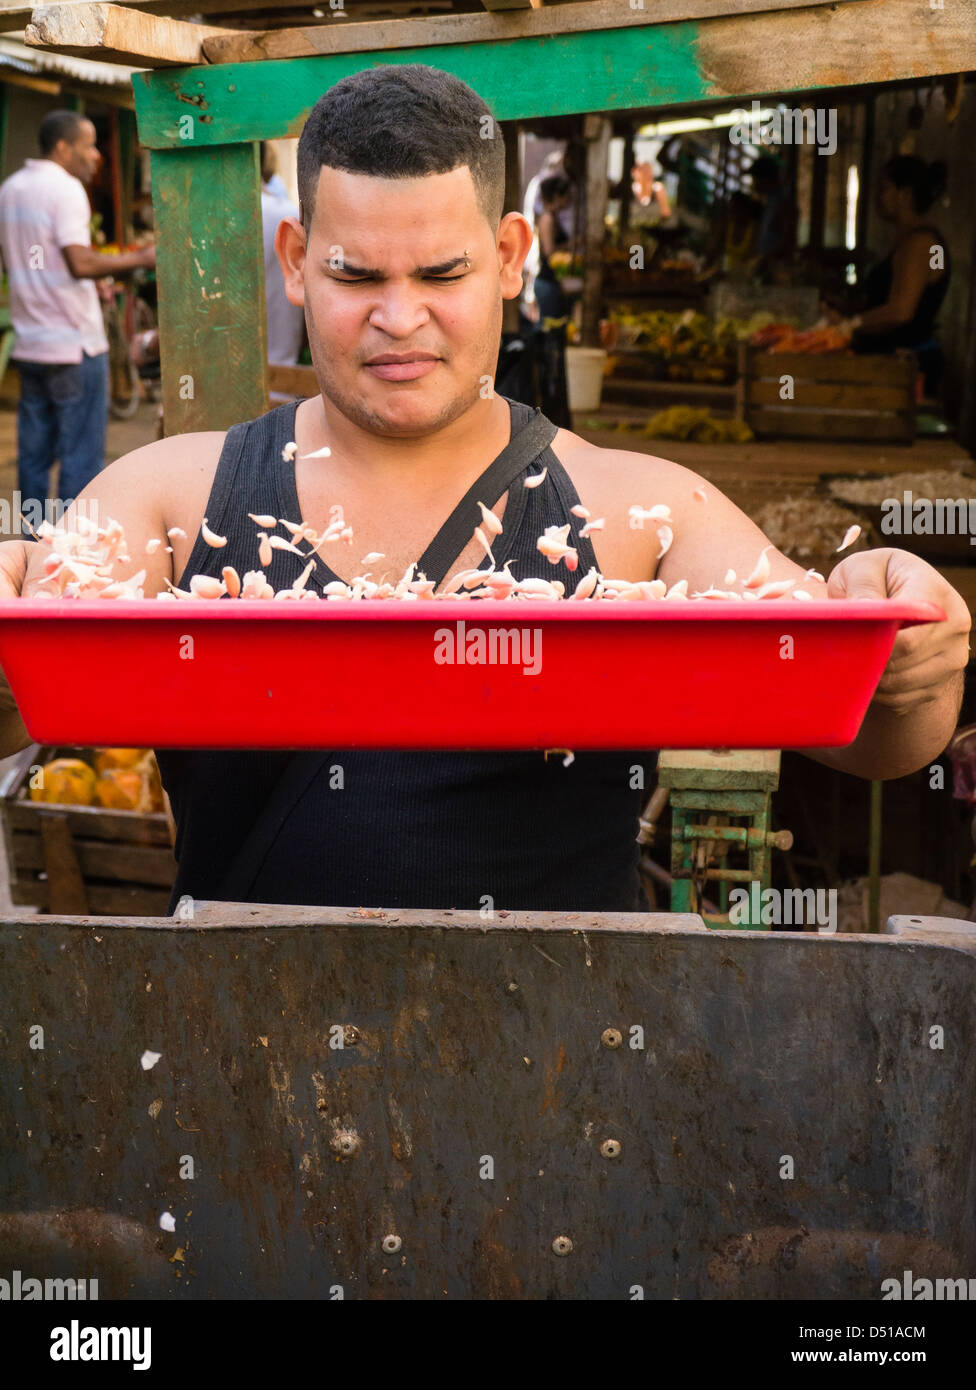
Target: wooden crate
column 82, row 860
column 835, row 396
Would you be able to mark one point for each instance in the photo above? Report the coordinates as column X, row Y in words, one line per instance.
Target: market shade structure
column 202, row 121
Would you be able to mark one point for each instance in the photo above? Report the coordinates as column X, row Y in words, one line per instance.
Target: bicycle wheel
column 123, row 394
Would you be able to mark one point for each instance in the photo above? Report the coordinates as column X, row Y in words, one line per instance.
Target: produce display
column 562, row 264
column 698, row 424
column 686, row 346
column 783, row 337
column 119, row 779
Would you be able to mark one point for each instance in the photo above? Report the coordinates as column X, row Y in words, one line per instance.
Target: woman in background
column 904, row 292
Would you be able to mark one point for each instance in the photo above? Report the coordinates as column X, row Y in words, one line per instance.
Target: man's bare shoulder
column 177, row 471
column 622, row 477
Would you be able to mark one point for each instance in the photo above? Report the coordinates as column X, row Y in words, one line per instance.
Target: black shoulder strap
column 524, row 446
column 294, row 781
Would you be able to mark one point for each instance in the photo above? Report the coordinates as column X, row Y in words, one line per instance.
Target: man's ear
column 514, row 244
column 290, row 248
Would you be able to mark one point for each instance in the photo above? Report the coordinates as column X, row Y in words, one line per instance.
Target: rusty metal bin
column 427, row 1105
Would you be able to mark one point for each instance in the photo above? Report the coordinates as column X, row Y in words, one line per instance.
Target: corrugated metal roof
column 15, row 54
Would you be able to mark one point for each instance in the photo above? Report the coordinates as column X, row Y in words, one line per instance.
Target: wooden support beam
column 231, row 46
column 210, row 267
column 596, row 132
column 587, row 16
column 116, row 34
column 513, row 203
column 846, row 44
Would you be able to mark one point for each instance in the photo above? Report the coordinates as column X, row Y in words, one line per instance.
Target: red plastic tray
column 650, row 674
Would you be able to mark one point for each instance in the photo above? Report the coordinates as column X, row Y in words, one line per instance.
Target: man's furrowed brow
column 442, row 269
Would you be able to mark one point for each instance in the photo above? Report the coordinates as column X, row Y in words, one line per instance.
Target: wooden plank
column 94, row 822
column 210, row 268
column 596, row 132
column 150, row 865
column 846, row 44
column 868, row 368
column 816, row 424
column 586, row 16
column 849, row 395
column 65, row 885
column 293, row 381
column 117, row 34
column 104, row 900
column 408, row 32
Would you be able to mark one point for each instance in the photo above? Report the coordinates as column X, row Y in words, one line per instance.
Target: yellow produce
column 122, row 789
column 118, row 757
column 130, row 788
column 65, row 782
column 698, row 424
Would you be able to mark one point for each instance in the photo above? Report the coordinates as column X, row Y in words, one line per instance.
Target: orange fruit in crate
column 65, row 782
column 155, row 786
column 118, row 757
column 123, row 789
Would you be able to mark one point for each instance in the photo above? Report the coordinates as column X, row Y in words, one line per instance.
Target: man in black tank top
column 402, row 259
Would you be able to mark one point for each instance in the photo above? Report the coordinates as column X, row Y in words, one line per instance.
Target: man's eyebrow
column 441, row 269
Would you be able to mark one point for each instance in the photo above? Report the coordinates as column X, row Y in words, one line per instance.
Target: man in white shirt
column 286, row 321
column 60, row 348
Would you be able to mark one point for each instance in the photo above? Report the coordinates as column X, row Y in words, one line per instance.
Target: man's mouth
column 402, row 366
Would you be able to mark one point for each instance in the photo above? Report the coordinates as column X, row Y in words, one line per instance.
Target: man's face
column 80, row 156
column 404, row 268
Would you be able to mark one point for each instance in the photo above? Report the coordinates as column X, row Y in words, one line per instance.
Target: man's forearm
column 893, row 745
column 98, row 264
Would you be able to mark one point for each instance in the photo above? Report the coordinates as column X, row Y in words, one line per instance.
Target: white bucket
column 584, row 377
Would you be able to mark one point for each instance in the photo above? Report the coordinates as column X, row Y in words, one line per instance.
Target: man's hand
column 14, row 556
column 915, row 708
column 925, row 659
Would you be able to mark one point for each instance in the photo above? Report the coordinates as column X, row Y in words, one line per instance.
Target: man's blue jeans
column 62, row 414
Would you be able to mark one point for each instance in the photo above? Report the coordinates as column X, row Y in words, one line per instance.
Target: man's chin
column 405, row 408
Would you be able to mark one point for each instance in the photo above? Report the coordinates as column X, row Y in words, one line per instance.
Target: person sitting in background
column 555, row 192
column 732, row 245
column 904, row 292
column 286, row 321
column 775, row 238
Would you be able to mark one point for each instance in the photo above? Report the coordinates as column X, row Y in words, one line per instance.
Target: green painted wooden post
column 210, row 268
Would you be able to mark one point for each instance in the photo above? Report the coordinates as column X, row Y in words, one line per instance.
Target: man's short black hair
column 403, row 121
column 59, row 125
column 555, row 186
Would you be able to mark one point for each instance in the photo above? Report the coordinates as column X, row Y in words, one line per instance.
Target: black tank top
column 922, row 325
column 404, row 829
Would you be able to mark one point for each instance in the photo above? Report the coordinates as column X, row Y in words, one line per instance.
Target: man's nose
column 399, row 310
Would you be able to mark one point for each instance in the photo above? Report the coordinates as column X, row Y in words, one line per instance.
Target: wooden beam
column 358, row 37
column 846, row 44
column 34, row 84
column 596, row 132
column 116, row 34
column 587, row 16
